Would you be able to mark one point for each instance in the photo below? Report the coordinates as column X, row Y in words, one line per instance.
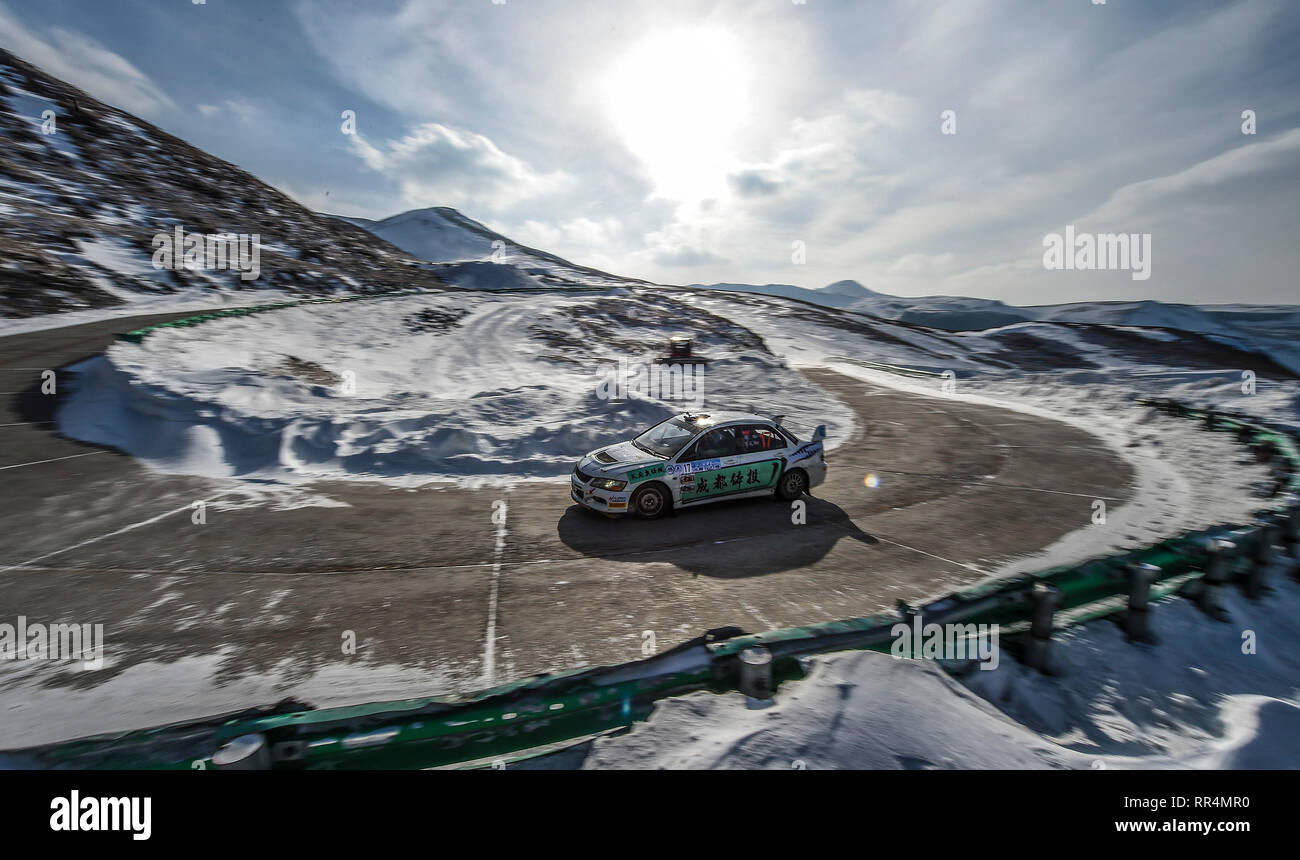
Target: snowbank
column 465, row 387
column 1194, row 701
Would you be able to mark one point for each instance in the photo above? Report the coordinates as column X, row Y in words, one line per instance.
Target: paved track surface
column 427, row 580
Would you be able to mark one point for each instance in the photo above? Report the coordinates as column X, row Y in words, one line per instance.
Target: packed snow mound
column 409, row 390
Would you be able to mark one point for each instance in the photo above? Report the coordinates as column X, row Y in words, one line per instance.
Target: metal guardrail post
column 1290, row 533
column 756, row 673
column 1261, row 559
column 246, row 752
column 1043, row 601
column 1218, row 555
column 1137, row 618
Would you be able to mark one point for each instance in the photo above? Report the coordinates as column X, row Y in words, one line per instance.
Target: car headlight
column 608, row 484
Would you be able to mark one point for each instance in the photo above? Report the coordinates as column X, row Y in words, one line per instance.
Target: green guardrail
column 138, row 335
column 517, row 720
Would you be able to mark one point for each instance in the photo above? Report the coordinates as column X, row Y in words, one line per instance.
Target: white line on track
column 970, row 567
column 51, row 460
column 122, row 530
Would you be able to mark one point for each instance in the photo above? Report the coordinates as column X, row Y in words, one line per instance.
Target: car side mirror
column 819, row 433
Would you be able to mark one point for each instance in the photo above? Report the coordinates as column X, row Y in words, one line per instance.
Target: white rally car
column 696, row 458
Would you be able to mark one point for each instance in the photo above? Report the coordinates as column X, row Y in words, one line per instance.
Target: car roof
column 716, row 418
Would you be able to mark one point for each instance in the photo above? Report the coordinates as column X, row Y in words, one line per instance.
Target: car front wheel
column 651, row 501
column 793, row 484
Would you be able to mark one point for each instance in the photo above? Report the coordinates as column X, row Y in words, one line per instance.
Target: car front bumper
column 604, row 501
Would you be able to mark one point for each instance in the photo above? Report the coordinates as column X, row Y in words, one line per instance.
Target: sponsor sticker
column 696, row 466
column 647, row 472
column 738, row 479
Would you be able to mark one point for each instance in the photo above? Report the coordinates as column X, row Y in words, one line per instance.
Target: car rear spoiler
column 818, row 434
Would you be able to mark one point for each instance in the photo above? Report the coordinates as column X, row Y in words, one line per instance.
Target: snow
column 430, row 235
column 189, row 688
column 1195, row 700
column 1173, row 459
column 466, row 387
column 1273, row 330
column 197, row 301
column 488, row 276
column 119, row 257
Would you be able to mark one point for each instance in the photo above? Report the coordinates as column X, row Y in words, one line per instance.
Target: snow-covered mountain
column 470, row 255
column 1270, row 329
column 841, row 294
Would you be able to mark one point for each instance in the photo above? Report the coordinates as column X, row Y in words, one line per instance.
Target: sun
column 677, row 99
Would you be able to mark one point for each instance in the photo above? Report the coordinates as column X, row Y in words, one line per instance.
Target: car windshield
column 668, row 438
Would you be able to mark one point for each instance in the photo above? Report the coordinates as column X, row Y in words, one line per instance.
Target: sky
column 766, row 141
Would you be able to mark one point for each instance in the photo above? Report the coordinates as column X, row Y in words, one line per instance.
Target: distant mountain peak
column 443, row 235
column 848, row 288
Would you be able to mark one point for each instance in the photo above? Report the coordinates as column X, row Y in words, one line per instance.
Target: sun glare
column 677, row 99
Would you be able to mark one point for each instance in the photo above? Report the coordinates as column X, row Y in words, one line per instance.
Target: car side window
column 718, row 442
column 757, row 438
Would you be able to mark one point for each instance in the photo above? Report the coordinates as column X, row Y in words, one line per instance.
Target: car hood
column 624, row 456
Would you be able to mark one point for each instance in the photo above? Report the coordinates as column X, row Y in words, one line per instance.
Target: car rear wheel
column 651, row 501
column 793, row 484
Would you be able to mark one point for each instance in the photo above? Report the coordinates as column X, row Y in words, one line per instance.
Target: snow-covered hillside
column 1273, row 330
column 83, row 196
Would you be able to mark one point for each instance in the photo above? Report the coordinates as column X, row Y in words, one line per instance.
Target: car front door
column 697, row 474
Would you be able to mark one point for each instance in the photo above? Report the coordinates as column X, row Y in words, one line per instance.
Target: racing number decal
column 735, row 479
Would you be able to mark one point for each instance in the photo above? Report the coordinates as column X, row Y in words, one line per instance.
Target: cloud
column 754, row 183
column 242, row 111
column 436, row 165
column 1237, row 165
column 1101, row 109
column 85, row 63
column 688, row 257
